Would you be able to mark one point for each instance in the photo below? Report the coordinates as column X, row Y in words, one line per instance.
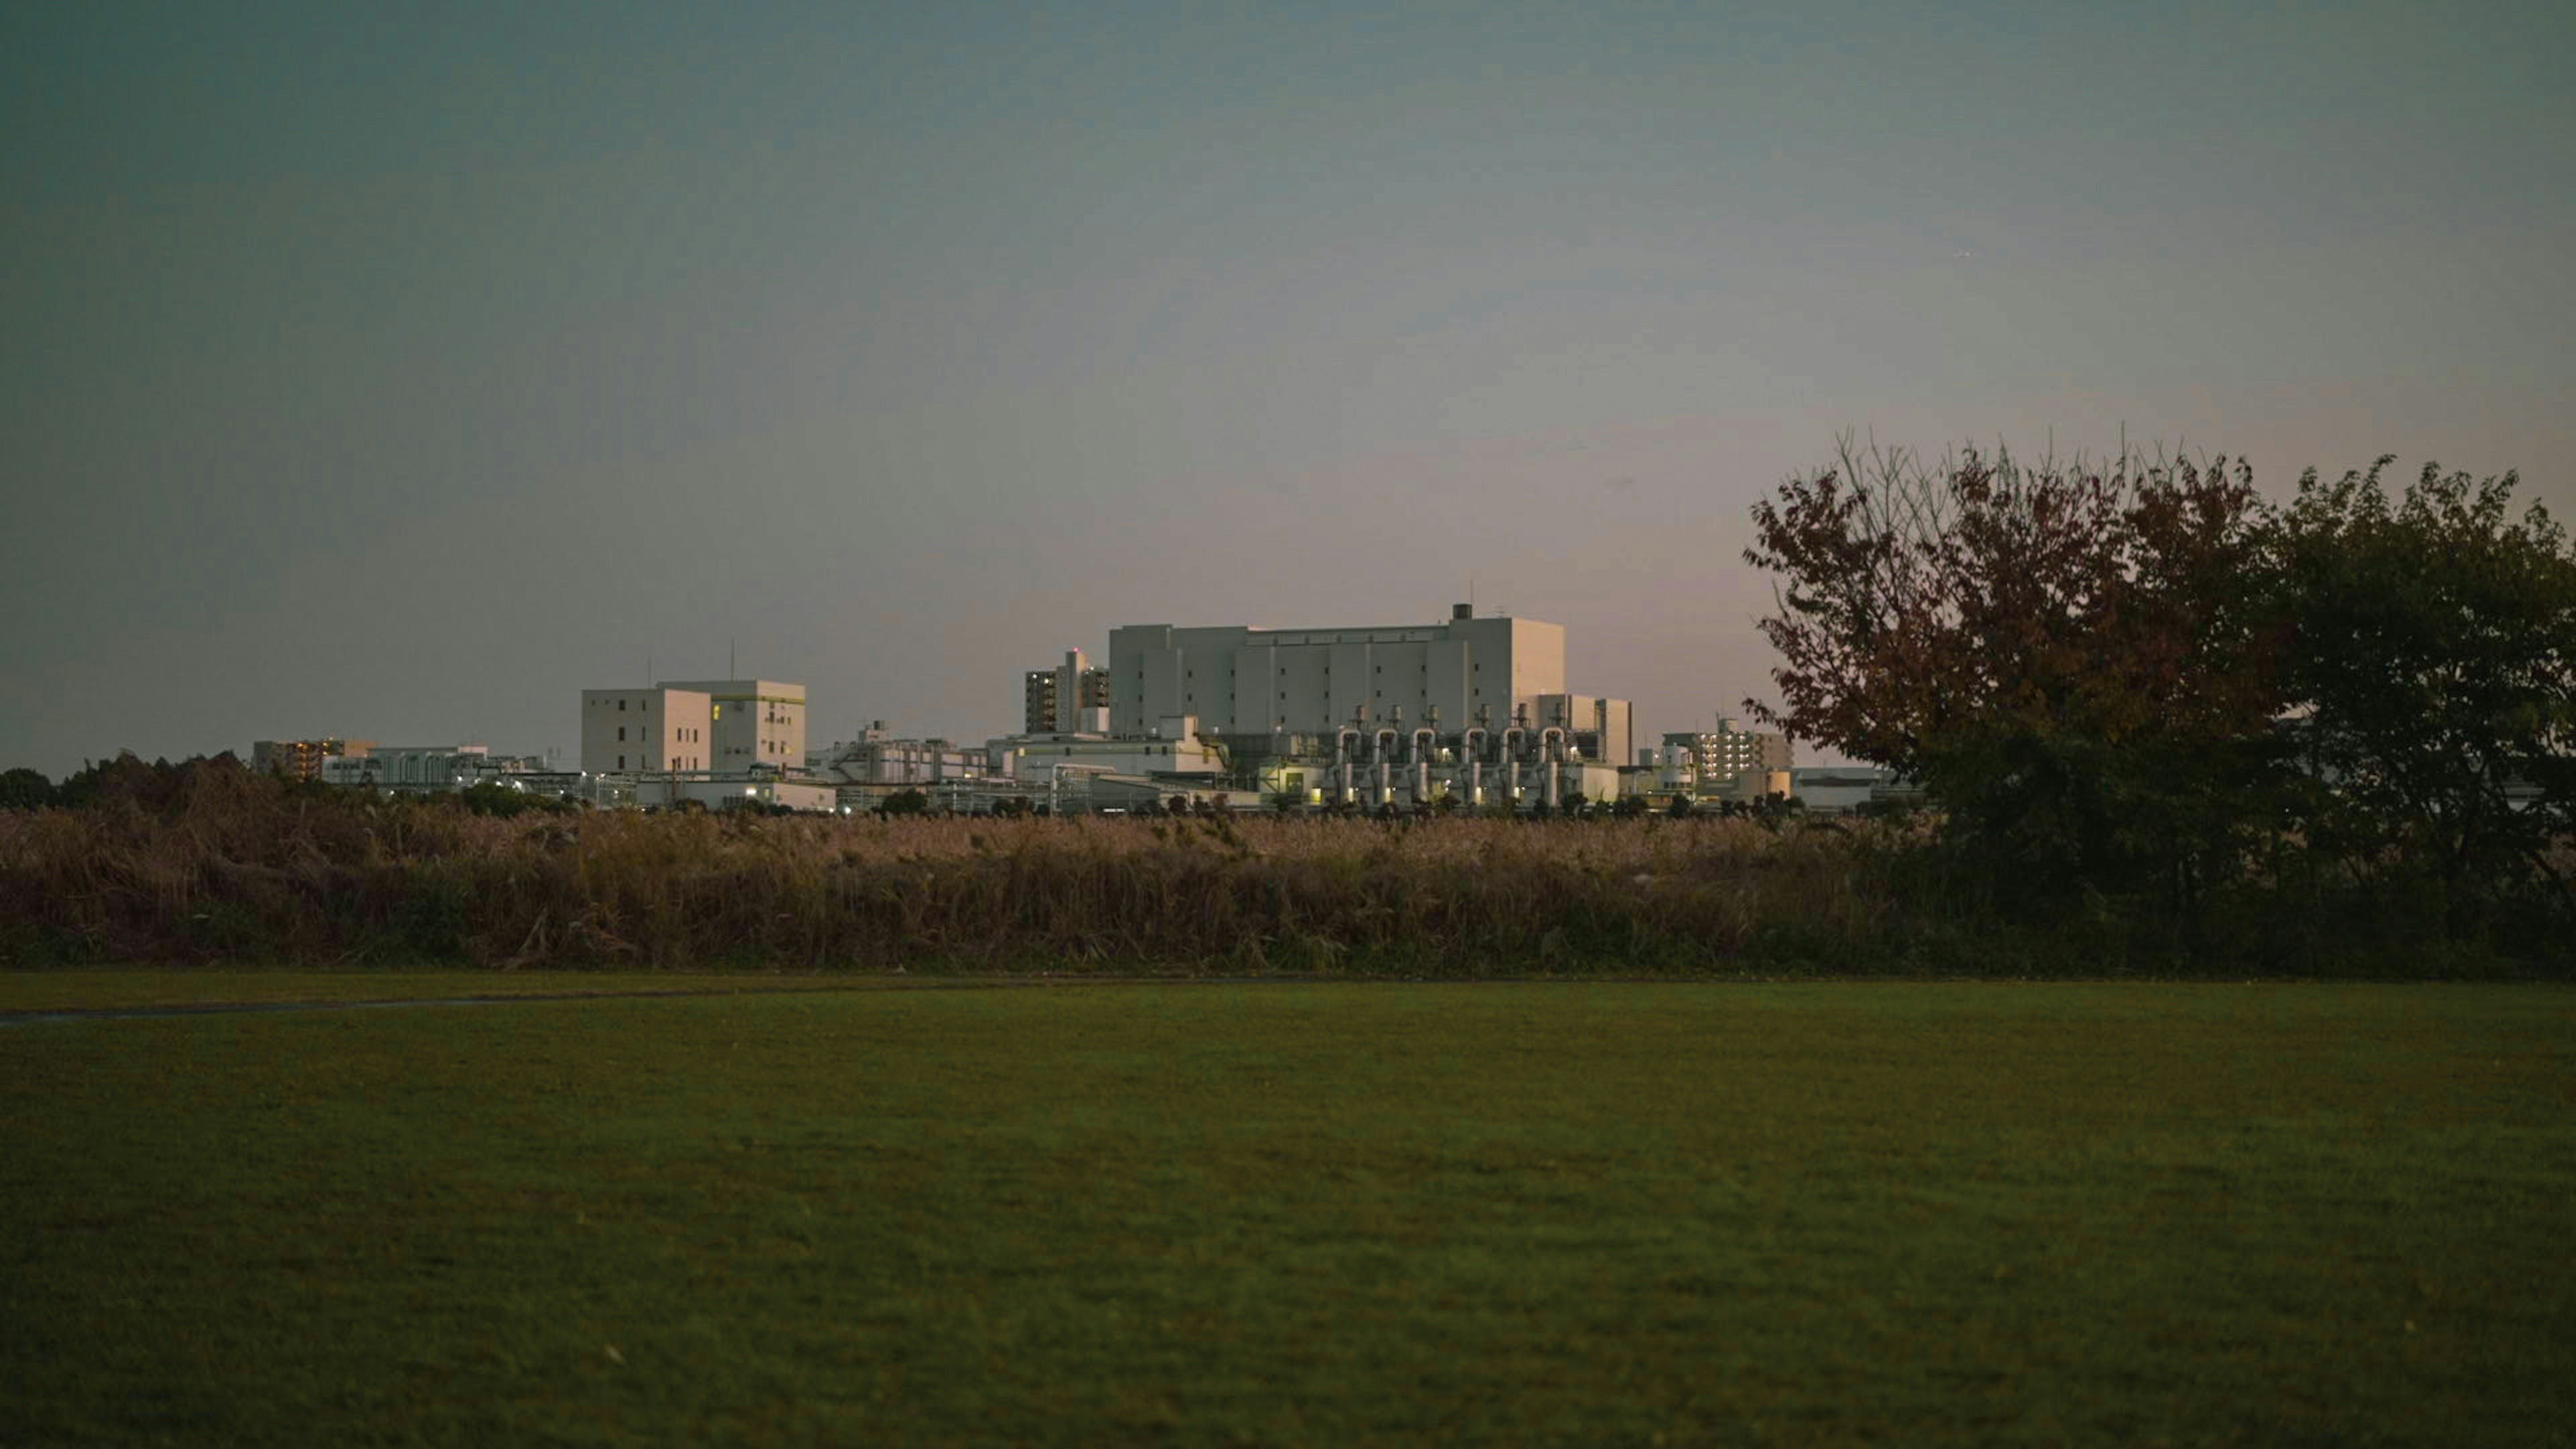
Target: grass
column 144, row 987
column 1303, row 1214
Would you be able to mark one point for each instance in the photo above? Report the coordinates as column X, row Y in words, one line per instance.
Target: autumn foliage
column 2065, row 656
column 2135, row 687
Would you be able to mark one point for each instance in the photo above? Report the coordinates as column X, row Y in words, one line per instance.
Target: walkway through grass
column 1308, row 1214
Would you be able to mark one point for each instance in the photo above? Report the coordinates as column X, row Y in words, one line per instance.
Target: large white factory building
column 1454, row 675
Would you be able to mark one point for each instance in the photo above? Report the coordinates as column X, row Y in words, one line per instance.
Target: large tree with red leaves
column 2077, row 663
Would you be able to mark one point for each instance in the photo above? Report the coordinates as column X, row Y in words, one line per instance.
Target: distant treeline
column 207, row 862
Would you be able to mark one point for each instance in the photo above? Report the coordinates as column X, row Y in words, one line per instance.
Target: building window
column 621, row 706
column 621, row 762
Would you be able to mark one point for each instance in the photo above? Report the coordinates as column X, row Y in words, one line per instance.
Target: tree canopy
column 2142, row 678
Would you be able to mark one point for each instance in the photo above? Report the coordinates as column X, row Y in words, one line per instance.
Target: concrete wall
column 1240, row 680
column 633, row 731
column 752, row 722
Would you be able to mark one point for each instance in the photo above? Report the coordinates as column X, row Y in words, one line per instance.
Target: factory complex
column 1465, row 713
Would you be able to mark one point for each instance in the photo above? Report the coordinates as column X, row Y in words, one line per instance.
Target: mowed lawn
column 1303, row 1213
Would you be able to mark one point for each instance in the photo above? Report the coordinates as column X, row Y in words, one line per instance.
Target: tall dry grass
column 236, row 868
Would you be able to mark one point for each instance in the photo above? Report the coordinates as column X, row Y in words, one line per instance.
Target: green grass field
column 1298, row 1213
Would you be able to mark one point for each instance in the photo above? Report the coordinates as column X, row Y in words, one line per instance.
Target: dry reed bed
column 236, row 872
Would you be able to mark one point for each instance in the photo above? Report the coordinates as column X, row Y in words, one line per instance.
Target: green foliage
column 904, row 802
column 24, row 789
column 2436, row 671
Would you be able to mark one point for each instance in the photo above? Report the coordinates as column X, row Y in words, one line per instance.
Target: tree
column 25, row 789
column 2068, row 659
column 2434, row 667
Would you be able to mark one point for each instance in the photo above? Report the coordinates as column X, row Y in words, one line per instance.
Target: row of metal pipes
column 1512, row 747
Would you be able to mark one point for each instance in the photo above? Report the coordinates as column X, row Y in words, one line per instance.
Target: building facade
column 1066, row 699
column 1453, row 675
column 665, row 729
column 877, row 758
column 1727, row 761
column 302, row 759
column 751, row 723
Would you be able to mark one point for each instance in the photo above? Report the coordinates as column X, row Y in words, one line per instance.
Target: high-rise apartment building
column 1729, row 759
column 1062, row 700
column 302, row 759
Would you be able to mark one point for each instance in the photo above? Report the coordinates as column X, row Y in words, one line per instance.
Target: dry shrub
column 232, row 867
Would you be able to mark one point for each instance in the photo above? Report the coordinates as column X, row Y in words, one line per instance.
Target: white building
column 661, row 730
column 877, row 758
column 1173, row 746
column 751, row 722
column 1461, row 672
column 724, row 726
column 426, row 767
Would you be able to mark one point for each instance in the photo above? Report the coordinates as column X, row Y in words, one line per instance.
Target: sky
column 397, row 371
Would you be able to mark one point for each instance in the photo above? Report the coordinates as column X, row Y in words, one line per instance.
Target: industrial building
column 724, row 726
column 751, row 723
column 1467, row 711
column 1255, row 685
column 718, row 742
column 426, row 768
column 640, row 731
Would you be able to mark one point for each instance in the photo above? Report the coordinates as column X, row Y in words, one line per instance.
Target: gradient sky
column 397, row 371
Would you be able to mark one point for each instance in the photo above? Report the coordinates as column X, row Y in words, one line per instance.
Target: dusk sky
column 398, row 371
